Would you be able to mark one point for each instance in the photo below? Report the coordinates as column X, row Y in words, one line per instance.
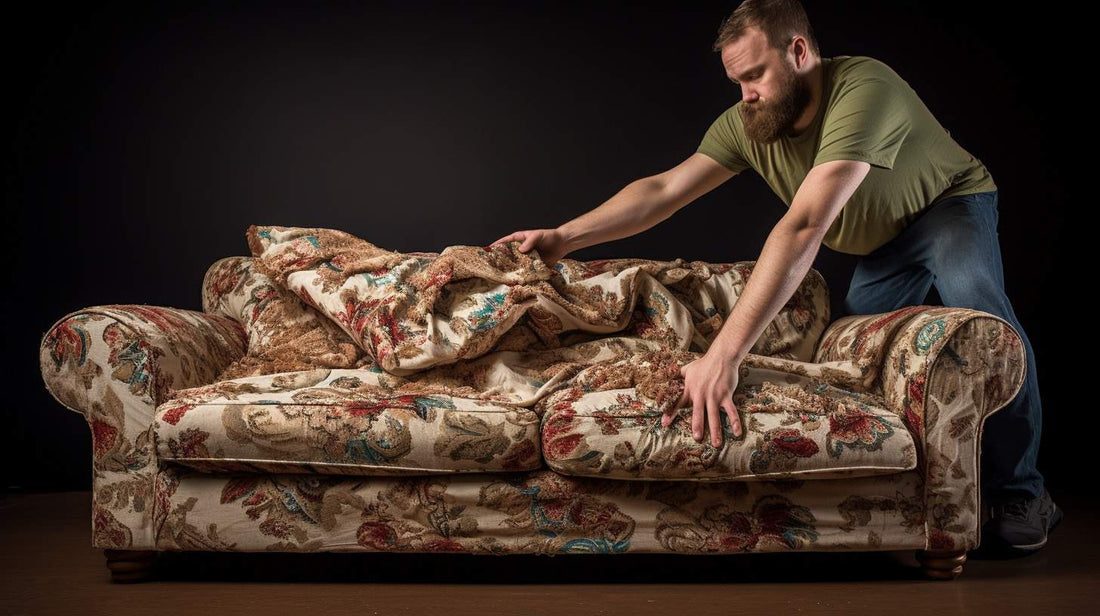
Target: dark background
column 143, row 140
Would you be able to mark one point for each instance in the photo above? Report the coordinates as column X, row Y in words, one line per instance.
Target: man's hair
column 780, row 20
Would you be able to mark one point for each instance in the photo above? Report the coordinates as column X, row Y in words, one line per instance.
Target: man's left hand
column 709, row 383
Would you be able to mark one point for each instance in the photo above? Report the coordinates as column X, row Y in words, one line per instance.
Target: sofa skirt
column 532, row 512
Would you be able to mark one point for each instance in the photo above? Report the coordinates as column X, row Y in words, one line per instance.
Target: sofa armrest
column 115, row 364
column 945, row 372
column 861, row 341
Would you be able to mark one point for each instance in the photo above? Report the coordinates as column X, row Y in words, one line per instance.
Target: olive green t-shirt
column 868, row 113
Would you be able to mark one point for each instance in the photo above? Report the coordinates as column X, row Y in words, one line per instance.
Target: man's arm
column 788, row 254
column 644, row 203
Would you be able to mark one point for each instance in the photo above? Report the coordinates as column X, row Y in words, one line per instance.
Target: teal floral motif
column 929, row 334
column 579, row 512
column 423, row 404
column 658, row 298
column 379, row 281
column 382, row 450
column 596, row 546
column 485, row 318
column 67, row 337
column 136, row 355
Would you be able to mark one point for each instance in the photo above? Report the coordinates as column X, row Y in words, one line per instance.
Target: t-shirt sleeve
column 869, row 122
column 720, row 143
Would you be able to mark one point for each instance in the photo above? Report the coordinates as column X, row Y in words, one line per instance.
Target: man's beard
column 766, row 121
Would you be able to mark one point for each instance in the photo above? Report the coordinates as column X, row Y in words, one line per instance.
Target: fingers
column 670, row 412
column 699, row 412
column 714, row 420
column 507, row 238
column 735, row 419
column 712, row 413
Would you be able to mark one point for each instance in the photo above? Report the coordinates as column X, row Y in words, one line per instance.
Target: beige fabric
column 942, row 372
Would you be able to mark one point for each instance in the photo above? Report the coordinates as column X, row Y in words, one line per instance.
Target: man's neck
column 817, row 86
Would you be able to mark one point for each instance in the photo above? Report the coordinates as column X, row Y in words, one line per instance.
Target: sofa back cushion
column 284, row 334
column 411, row 311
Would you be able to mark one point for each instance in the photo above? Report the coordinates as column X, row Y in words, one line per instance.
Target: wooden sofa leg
column 130, row 565
column 942, row 564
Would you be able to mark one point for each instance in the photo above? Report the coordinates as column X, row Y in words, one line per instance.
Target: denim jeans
column 954, row 244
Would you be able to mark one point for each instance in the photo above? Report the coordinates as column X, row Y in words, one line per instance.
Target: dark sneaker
column 1019, row 525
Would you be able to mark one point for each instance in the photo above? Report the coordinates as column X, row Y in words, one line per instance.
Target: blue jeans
column 954, row 245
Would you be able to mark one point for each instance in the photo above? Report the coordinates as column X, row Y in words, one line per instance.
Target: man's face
column 773, row 94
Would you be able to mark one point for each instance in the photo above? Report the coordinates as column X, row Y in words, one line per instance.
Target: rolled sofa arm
column 944, row 370
column 115, row 364
column 861, row 341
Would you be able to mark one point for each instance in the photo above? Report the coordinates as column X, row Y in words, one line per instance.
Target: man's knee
column 869, row 302
column 858, row 300
column 977, row 290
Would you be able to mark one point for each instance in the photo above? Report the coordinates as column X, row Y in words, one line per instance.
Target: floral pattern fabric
column 420, row 401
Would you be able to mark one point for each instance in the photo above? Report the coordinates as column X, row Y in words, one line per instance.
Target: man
column 865, row 169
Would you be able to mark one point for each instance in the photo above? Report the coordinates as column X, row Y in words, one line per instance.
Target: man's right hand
column 549, row 242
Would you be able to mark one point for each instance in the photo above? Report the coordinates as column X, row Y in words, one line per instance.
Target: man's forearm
column 637, row 207
column 787, row 255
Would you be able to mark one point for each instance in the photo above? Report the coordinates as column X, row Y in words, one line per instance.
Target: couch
column 259, row 425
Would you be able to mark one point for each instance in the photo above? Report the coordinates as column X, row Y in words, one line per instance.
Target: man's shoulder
column 852, row 69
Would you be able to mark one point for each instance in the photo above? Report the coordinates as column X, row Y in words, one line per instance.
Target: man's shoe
column 1019, row 525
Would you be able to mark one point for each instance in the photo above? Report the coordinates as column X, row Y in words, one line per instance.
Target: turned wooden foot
column 130, row 565
column 942, row 564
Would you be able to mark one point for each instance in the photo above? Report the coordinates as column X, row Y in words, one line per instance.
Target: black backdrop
column 143, row 141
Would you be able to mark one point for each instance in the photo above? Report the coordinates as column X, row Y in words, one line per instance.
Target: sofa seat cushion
column 796, row 424
column 341, row 422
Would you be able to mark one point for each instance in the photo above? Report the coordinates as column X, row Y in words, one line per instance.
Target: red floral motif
column 520, row 456
column 856, row 428
column 237, row 487
column 793, row 441
column 174, row 414
column 442, row 544
column 106, row 529
column 643, row 325
column 365, row 408
column 261, row 298
column 914, row 404
column 191, row 444
column 939, row 540
column 864, row 336
column 166, row 320
column 66, row 341
column 376, row 534
column 916, row 390
column 558, row 439
column 104, row 438
column 224, row 281
column 774, row 521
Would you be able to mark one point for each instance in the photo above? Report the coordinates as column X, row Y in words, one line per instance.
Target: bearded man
column 865, row 169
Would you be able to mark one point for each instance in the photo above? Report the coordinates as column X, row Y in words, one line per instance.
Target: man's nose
column 749, row 96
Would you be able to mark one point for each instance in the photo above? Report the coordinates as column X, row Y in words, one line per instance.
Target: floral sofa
column 862, row 433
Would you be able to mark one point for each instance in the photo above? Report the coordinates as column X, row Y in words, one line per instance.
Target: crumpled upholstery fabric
column 493, row 322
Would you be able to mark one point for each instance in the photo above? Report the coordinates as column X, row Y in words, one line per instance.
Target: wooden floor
column 50, row 567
